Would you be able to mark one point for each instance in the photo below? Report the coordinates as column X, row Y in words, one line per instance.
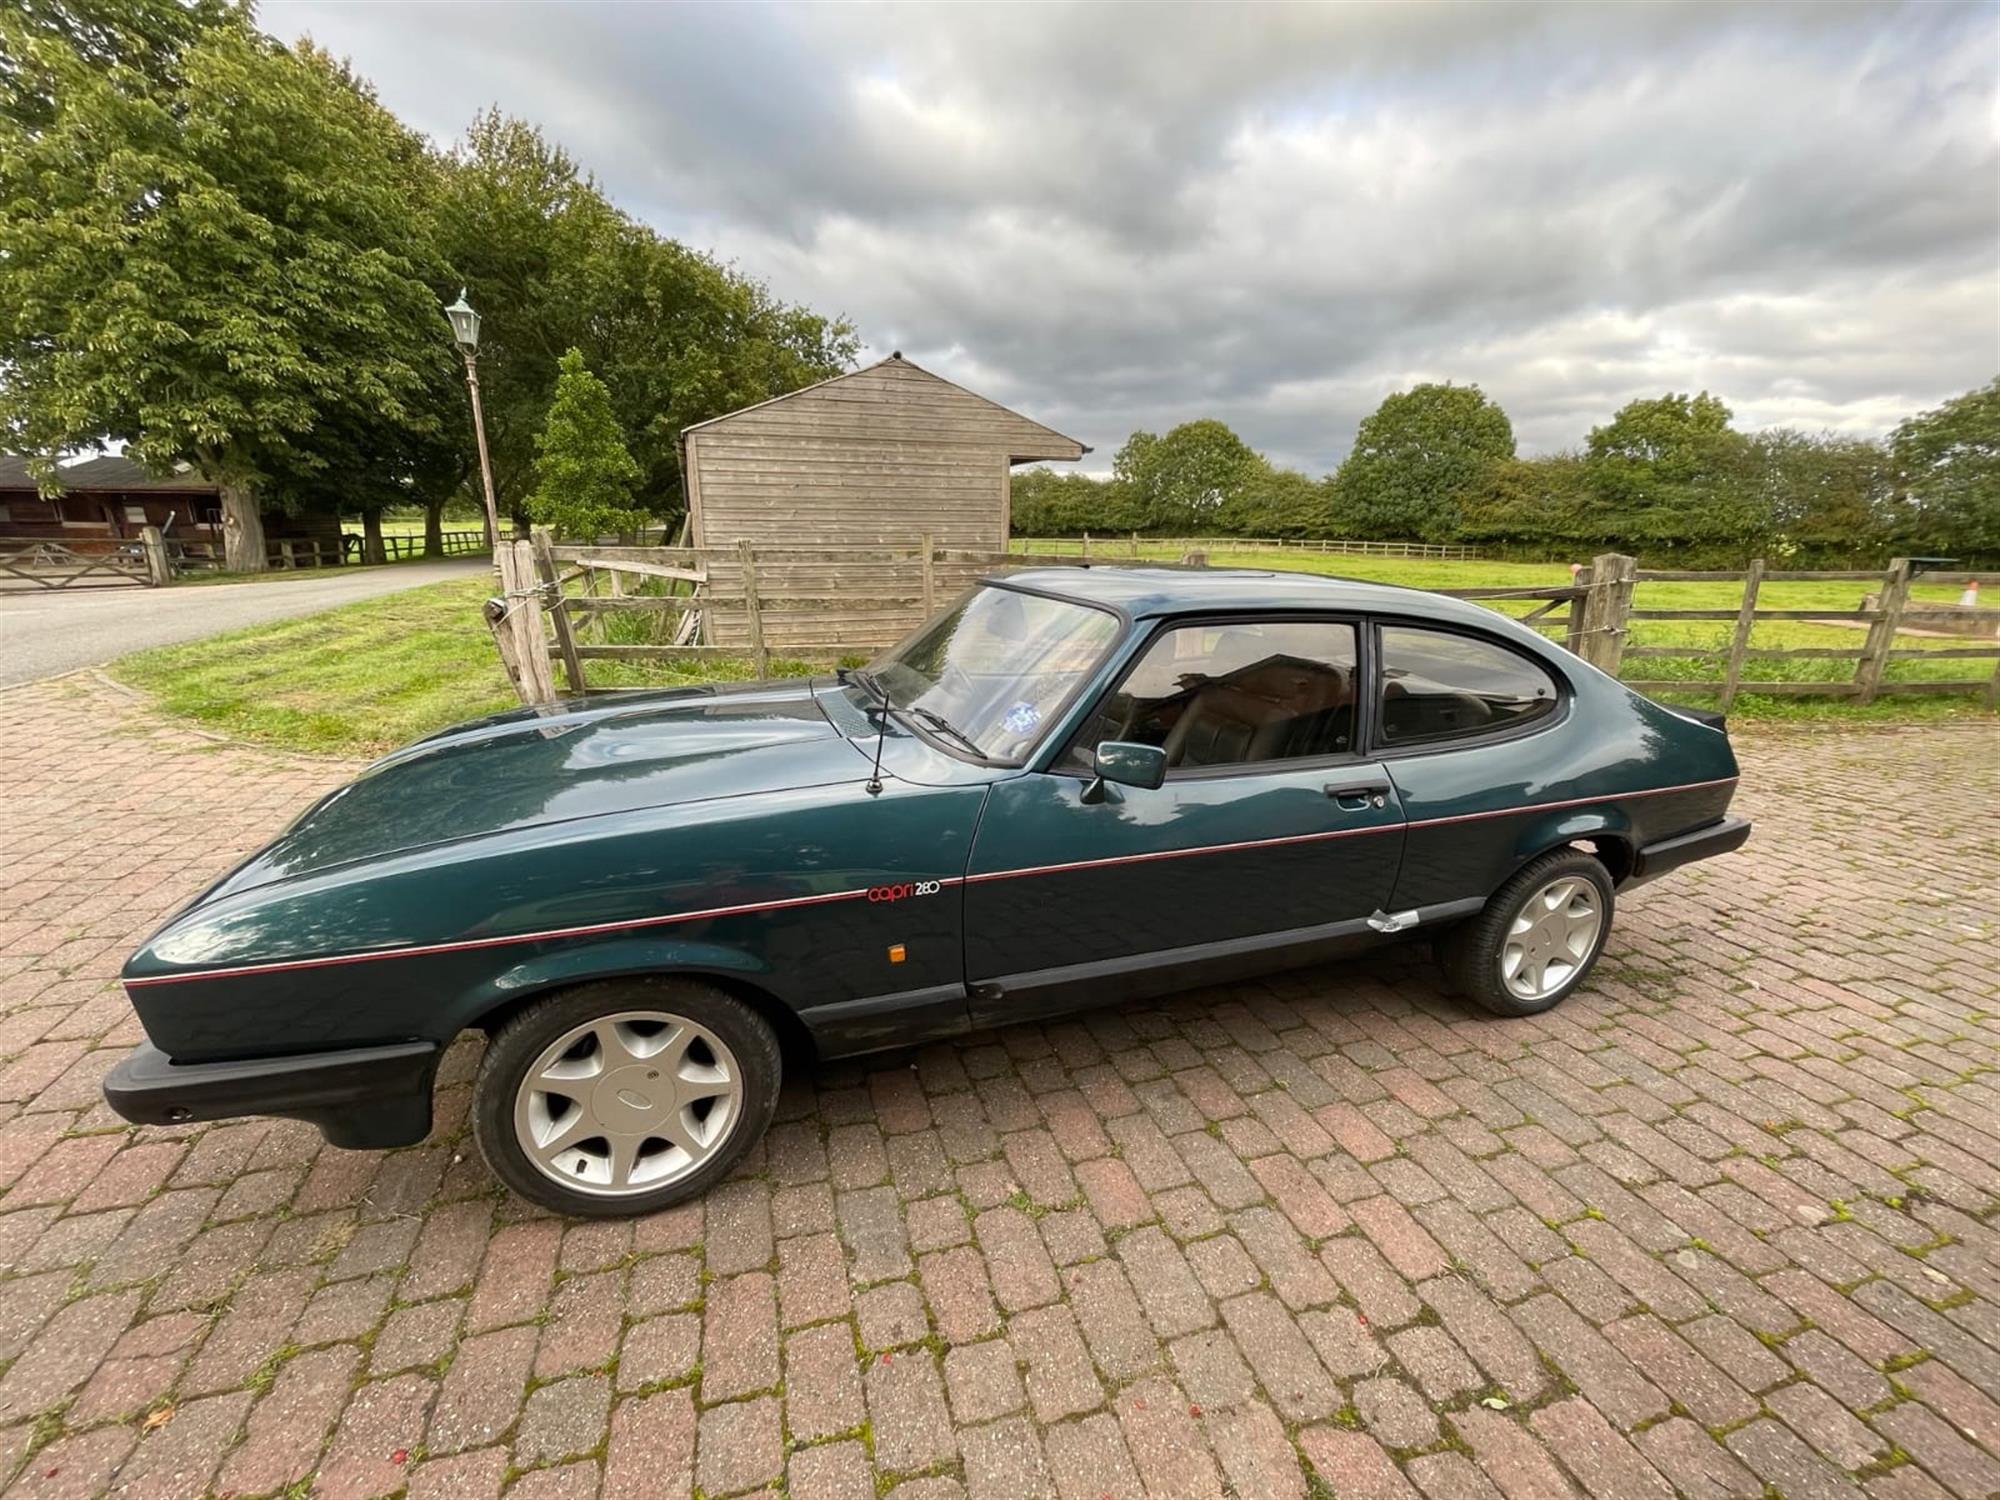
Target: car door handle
column 1356, row 795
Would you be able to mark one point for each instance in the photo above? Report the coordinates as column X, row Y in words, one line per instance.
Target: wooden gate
column 55, row 565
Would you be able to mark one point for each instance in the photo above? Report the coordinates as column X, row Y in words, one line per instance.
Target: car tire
column 626, row 1096
column 1537, row 938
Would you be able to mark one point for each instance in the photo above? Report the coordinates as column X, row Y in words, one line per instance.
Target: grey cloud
column 1122, row 216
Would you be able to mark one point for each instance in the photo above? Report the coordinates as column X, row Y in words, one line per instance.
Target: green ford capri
column 1073, row 787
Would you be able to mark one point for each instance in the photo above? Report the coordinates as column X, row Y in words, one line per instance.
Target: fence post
column 930, row 578
column 1579, row 606
column 1882, row 633
column 1605, row 609
column 1746, row 621
column 759, row 659
column 545, row 567
column 507, row 641
column 159, row 570
column 516, row 624
column 1086, row 544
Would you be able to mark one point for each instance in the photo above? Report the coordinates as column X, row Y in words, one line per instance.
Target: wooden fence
column 824, row 603
column 1613, row 581
column 398, row 545
column 816, row 604
column 285, row 553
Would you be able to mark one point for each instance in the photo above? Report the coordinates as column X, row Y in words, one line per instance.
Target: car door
column 1460, row 724
column 1271, row 840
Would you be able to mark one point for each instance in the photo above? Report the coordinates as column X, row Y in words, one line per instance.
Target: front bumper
column 1721, row 837
column 363, row 1098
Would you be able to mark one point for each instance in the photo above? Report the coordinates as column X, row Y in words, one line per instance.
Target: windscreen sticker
column 1022, row 718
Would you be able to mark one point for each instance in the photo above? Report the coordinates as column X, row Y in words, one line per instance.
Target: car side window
column 1233, row 693
column 1441, row 686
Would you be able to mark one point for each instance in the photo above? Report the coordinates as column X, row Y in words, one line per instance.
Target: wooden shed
column 884, row 453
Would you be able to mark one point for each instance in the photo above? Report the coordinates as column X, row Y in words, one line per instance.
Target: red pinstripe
column 1338, row 833
column 464, row 944
column 784, row 903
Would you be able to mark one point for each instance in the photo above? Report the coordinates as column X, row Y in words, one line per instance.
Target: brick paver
column 1729, row 1223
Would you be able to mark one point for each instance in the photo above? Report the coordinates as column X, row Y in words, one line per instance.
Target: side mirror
column 1125, row 764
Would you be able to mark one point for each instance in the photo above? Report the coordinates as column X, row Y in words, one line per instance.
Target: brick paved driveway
column 1725, row 1225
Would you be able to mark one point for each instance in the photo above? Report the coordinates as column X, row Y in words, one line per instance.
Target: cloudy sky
column 1121, row 216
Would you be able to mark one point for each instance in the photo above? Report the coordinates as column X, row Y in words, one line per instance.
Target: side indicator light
column 896, row 953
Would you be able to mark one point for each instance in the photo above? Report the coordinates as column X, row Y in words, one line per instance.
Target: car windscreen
column 992, row 668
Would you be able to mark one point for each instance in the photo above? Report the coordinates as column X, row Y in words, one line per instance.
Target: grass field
column 366, row 677
column 413, row 526
column 370, row 676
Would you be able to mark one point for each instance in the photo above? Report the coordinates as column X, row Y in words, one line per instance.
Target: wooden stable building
column 104, row 504
column 889, row 452
column 106, row 501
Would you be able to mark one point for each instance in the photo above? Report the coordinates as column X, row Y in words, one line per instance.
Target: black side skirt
column 1009, row 998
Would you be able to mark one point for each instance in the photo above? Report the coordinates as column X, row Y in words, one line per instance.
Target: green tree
column 1417, row 460
column 1819, row 496
column 537, row 246
column 205, row 250
column 1669, row 472
column 584, row 473
column 141, row 37
column 1048, row 503
column 1180, row 483
column 1947, row 465
column 1274, row 502
column 1544, row 501
column 553, row 265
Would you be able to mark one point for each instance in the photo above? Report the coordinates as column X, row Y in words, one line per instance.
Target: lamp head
column 464, row 323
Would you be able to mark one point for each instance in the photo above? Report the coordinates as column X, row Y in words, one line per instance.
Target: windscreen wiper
column 868, row 682
column 944, row 726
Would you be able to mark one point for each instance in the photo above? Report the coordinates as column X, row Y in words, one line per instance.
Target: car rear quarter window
column 1437, row 685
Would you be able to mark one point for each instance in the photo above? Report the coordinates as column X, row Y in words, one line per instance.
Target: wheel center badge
column 634, row 1098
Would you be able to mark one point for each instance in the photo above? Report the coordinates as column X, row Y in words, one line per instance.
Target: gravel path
column 42, row 634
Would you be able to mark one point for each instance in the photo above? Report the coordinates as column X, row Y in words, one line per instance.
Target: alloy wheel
column 1551, row 938
column 628, row 1103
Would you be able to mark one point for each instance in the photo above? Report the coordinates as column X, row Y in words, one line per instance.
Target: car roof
column 1144, row 592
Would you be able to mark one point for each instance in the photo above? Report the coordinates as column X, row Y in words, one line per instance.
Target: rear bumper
column 363, row 1098
column 1655, row 860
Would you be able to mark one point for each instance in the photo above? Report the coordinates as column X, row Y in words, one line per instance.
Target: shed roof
column 1053, row 444
column 110, row 472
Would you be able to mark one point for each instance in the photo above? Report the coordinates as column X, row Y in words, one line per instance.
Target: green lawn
column 367, row 677
column 362, row 678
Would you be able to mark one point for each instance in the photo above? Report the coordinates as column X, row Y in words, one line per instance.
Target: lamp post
column 465, row 329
